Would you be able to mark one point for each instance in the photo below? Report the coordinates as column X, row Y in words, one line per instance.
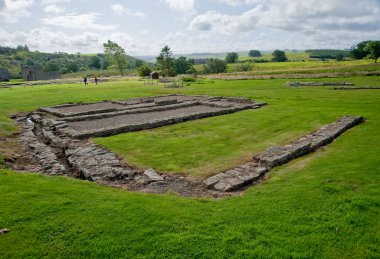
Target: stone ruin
column 358, row 88
column 263, row 162
column 107, row 118
column 319, row 83
column 56, row 139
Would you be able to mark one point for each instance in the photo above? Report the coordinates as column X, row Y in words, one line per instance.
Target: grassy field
column 301, row 67
column 326, row 204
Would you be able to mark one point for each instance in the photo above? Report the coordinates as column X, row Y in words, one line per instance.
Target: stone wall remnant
column 275, row 156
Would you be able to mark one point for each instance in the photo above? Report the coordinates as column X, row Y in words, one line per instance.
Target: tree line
column 14, row 59
column 115, row 57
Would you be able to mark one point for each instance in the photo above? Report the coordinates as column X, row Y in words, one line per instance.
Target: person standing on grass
column 85, row 80
column 96, row 80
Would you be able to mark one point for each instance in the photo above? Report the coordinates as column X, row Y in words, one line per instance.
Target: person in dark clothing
column 96, row 80
column 85, row 80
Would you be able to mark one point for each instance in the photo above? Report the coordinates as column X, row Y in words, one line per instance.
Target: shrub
column 189, row 79
column 144, row 70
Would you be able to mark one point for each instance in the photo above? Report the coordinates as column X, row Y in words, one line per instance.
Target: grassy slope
column 324, row 205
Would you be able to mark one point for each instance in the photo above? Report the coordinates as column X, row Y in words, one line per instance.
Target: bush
column 215, row 66
column 279, row 56
column 189, row 79
column 339, row 57
column 246, row 66
column 144, row 70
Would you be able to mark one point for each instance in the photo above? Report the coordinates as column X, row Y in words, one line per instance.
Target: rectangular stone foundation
column 110, row 118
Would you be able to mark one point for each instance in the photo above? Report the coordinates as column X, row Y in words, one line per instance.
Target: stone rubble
column 40, row 152
column 94, row 163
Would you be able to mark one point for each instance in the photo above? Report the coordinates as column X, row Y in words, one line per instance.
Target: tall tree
column 183, row 65
column 254, row 53
column 165, row 62
column 279, row 56
column 358, row 51
column 232, row 57
column 115, row 55
column 215, row 66
column 373, row 48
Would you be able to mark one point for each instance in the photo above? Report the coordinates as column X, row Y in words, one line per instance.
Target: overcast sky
column 143, row 27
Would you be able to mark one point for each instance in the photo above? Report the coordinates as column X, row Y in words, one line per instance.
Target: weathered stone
column 153, row 176
column 220, row 186
column 248, row 177
column 211, row 181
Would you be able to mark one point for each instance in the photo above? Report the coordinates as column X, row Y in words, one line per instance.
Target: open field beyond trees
column 326, row 204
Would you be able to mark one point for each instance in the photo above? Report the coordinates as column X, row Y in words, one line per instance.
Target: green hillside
column 15, row 58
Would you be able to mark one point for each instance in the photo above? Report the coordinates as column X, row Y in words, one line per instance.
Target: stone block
column 152, row 175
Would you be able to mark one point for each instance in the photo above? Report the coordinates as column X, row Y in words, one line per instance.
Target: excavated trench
column 48, row 140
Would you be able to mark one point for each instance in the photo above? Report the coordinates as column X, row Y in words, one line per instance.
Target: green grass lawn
column 326, row 204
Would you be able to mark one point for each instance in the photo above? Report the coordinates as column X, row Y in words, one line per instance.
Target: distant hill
column 220, row 55
column 206, row 55
column 15, row 58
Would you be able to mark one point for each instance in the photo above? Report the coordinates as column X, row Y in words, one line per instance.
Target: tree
column 138, row 63
column 51, row 66
column 144, row 70
column 95, row 62
column 232, row 57
column 73, row 67
column 183, row 65
column 279, row 56
column 373, row 49
column 254, row 53
column 105, row 64
column 165, row 62
column 358, row 51
column 339, row 57
column 215, row 66
column 115, row 55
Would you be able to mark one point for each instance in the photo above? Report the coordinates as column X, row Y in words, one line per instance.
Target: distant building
column 36, row 73
column 155, row 75
column 4, row 75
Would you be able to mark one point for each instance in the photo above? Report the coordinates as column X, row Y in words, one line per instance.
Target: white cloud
column 227, row 24
column 119, row 9
column 81, row 22
column 232, row 2
column 309, row 16
column 181, row 5
column 321, row 15
column 84, row 42
column 54, row 9
column 11, row 11
column 49, row 2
